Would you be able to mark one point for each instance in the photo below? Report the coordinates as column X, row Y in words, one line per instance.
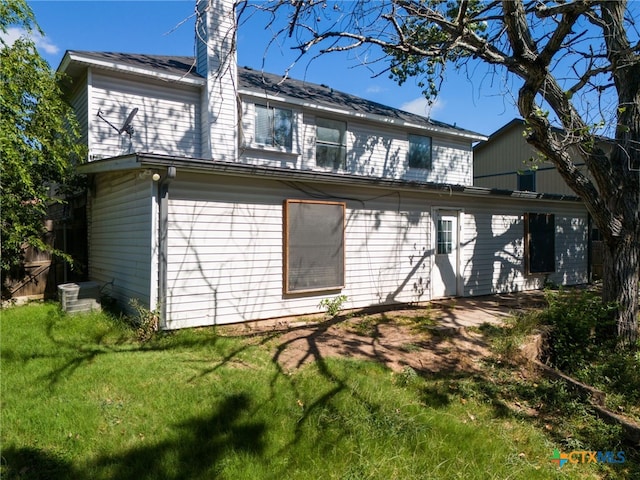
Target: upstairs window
column 419, row 152
column 331, row 148
column 539, row 243
column 274, row 126
column 527, row 181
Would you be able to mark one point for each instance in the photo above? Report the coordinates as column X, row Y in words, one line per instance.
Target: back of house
column 220, row 194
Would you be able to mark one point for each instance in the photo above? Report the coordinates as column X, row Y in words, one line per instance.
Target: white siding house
column 241, row 196
column 123, row 217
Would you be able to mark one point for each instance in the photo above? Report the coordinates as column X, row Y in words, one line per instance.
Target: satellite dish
column 126, row 127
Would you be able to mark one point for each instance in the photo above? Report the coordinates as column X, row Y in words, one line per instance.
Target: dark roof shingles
column 274, row 84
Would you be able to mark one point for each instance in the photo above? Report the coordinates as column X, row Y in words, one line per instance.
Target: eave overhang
column 73, row 61
column 153, row 161
column 379, row 119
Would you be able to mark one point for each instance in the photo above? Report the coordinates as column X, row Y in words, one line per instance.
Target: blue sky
column 155, row 27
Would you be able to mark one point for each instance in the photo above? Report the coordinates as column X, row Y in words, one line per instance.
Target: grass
column 83, row 398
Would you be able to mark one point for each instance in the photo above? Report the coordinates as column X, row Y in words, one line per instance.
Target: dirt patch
column 399, row 339
column 435, row 337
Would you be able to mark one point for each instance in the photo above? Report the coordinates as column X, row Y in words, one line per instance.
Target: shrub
column 580, row 327
column 144, row 322
column 333, row 306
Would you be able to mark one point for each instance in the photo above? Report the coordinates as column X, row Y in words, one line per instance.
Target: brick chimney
column 216, row 60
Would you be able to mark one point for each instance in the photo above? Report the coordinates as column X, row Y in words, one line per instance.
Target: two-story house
column 221, row 194
column 505, row 160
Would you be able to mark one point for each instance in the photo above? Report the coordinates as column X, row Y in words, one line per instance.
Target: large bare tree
column 577, row 65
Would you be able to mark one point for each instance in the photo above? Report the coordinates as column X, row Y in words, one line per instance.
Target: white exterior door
column 445, row 272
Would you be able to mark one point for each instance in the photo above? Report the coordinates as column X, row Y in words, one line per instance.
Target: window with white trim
column 331, row 147
column 419, row 155
column 274, row 126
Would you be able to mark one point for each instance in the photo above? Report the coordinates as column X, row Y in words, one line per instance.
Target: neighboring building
column 506, row 161
column 242, row 196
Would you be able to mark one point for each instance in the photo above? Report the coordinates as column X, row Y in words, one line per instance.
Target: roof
column 327, row 96
column 183, row 68
column 521, row 124
column 516, row 122
column 168, row 67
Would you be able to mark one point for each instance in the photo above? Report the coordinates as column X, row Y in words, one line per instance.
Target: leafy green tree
column 575, row 63
column 38, row 139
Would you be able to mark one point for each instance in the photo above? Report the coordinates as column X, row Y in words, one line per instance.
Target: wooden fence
column 40, row 273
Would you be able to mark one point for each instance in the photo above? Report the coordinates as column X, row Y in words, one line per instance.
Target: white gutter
column 208, row 166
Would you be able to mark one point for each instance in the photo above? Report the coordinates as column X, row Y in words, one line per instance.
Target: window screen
column 313, row 246
column 274, row 126
column 540, row 243
column 331, row 149
column 419, row 152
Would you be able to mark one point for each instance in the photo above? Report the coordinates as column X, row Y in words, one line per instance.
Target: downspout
column 589, row 248
column 163, row 241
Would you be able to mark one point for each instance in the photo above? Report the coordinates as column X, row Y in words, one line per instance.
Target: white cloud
column 11, row 35
column 420, row 106
column 375, row 89
column 42, row 43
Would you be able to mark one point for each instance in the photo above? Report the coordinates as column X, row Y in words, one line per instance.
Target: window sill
column 270, row 149
column 322, row 168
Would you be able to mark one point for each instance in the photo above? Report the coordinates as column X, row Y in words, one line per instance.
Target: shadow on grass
column 511, row 392
column 195, row 450
column 34, row 464
column 69, row 351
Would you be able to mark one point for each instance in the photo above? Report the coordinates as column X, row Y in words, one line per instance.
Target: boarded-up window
column 540, row 243
column 313, row 246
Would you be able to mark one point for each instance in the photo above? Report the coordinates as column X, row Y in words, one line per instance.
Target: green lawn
column 81, row 398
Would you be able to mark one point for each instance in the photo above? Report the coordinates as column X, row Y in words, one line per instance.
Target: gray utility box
column 79, row 297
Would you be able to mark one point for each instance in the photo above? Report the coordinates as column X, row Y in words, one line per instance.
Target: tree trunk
column 620, row 285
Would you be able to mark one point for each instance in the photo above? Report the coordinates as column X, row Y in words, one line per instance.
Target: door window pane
column 445, row 237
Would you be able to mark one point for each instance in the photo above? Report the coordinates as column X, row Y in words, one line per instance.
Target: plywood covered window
column 313, row 245
column 540, row 243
